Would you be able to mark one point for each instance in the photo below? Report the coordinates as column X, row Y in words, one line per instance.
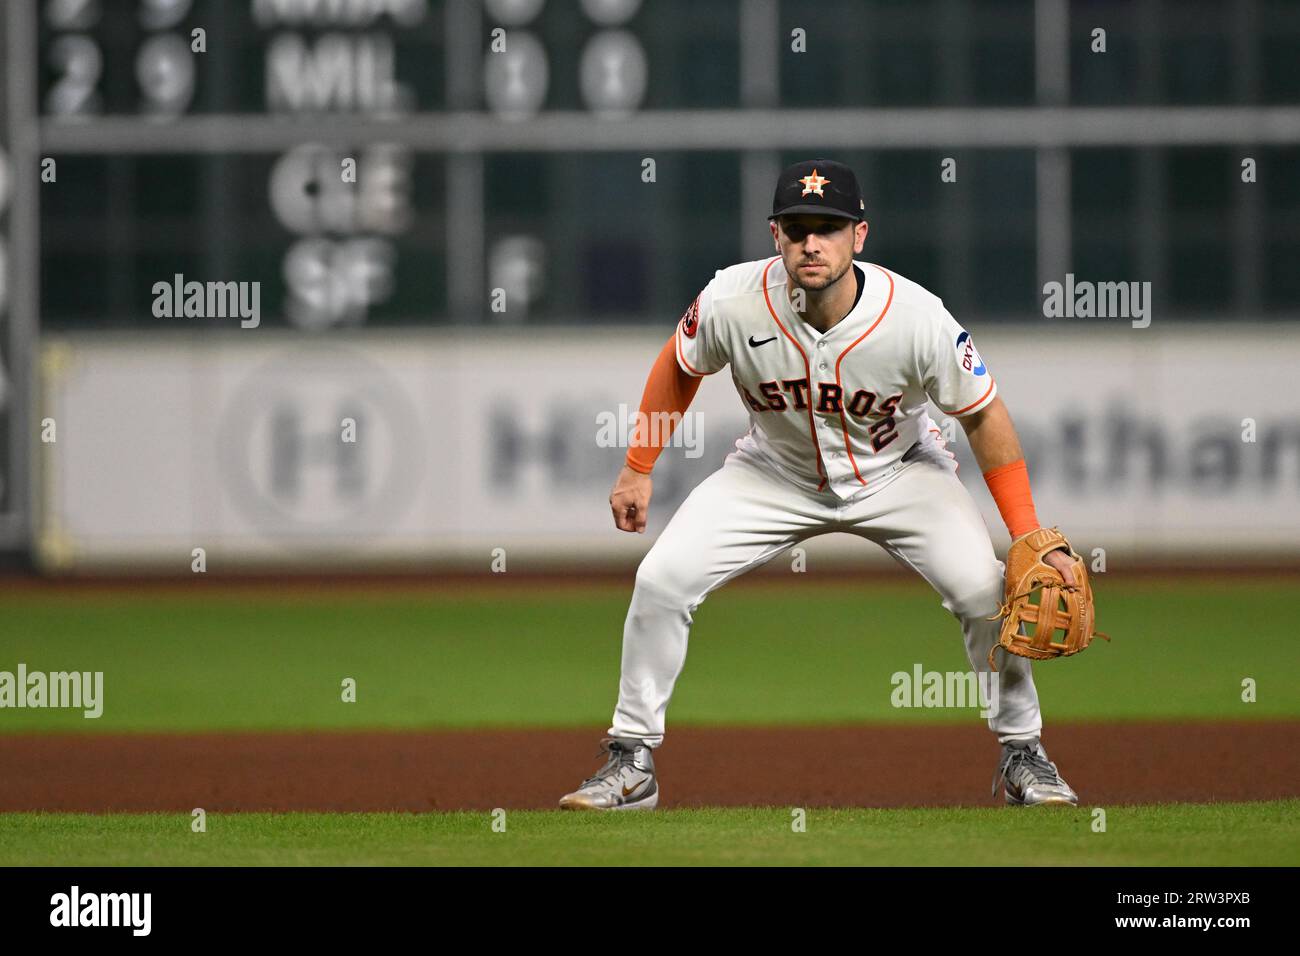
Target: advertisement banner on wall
column 382, row 450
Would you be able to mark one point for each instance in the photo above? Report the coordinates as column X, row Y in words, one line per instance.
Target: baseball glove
column 1038, row 598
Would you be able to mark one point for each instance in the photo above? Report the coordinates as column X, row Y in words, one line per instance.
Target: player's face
column 818, row 250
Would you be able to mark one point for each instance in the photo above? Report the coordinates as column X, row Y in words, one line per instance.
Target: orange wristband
column 1009, row 485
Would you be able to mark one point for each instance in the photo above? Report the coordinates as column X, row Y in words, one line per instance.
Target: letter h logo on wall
column 321, row 441
column 293, row 450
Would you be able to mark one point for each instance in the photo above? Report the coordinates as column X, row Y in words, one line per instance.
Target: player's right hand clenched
column 630, row 500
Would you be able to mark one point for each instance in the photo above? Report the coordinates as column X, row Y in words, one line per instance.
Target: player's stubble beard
column 817, row 287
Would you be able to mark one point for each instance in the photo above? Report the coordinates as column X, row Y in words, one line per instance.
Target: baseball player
column 835, row 360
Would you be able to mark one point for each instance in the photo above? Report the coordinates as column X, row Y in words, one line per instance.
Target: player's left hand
column 1060, row 560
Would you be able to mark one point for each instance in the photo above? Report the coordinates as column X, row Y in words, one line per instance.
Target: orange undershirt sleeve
column 668, row 394
column 1009, row 485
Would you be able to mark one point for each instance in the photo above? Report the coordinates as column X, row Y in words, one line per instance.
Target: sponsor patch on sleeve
column 967, row 355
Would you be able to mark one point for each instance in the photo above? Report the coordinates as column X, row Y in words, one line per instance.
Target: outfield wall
column 1139, row 441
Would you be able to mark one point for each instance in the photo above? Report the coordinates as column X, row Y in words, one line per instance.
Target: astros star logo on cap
column 813, row 184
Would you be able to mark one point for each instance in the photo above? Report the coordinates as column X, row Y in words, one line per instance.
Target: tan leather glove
column 1058, row 619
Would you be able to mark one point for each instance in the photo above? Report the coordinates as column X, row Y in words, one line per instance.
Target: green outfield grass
column 1228, row 834
column 497, row 655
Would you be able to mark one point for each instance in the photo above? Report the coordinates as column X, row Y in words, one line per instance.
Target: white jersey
column 838, row 409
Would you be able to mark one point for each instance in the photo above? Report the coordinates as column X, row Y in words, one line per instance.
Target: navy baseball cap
column 818, row 186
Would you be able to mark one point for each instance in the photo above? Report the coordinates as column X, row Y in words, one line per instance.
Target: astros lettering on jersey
column 836, row 409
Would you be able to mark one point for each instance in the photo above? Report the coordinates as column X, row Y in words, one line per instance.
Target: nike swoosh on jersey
column 753, row 344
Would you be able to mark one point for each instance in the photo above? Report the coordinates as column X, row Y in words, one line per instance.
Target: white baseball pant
column 745, row 514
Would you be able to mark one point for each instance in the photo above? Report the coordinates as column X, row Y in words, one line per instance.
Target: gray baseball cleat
column 626, row 782
column 1030, row 778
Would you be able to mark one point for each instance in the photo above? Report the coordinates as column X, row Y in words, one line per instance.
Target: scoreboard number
column 77, row 59
column 164, row 67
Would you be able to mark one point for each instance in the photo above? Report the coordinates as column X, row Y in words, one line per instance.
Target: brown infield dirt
column 866, row 766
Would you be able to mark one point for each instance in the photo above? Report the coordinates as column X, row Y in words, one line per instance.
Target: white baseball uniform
column 839, row 440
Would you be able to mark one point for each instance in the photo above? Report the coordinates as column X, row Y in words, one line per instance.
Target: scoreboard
column 418, row 162
column 340, row 228
column 323, row 246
